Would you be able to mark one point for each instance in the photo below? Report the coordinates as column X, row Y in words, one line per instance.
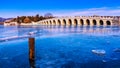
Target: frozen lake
column 61, row 47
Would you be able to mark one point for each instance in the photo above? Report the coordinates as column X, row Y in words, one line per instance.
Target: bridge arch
column 64, row 22
column 69, row 22
column 94, row 22
column 75, row 22
column 88, row 22
column 108, row 22
column 44, row 23
column 50, row 22
column 101, row 22
column 47, row 23
column 54, row 22
column 58, row 22
column 81, row 22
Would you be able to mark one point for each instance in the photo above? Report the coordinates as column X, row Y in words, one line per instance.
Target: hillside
column 3, row 19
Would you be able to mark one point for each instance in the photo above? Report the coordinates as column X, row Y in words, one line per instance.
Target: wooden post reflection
column 32, row 52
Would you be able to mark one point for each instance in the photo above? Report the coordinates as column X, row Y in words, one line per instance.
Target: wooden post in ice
column 32, row 52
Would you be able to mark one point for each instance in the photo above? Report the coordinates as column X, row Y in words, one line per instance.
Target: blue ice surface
column 61, row 47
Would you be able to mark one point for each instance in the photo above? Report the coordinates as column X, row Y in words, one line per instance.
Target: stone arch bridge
column 81, row 21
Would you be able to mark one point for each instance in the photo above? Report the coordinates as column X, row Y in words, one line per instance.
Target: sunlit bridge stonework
column 82, row 21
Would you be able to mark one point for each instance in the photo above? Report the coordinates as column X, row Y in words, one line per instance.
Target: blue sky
column 13, row 8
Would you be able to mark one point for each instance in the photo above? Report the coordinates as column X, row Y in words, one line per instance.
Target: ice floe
column 32, row 33
column 13, row 37
column 117, row 50
column 99, row 52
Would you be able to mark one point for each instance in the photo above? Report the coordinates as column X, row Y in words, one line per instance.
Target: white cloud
column 102, row 8
column 93, row 11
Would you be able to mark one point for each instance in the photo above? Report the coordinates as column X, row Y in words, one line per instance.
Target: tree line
column 29, row 19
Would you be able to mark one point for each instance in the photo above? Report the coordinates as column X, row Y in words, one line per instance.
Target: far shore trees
column 36, row 18
column 29, row 19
